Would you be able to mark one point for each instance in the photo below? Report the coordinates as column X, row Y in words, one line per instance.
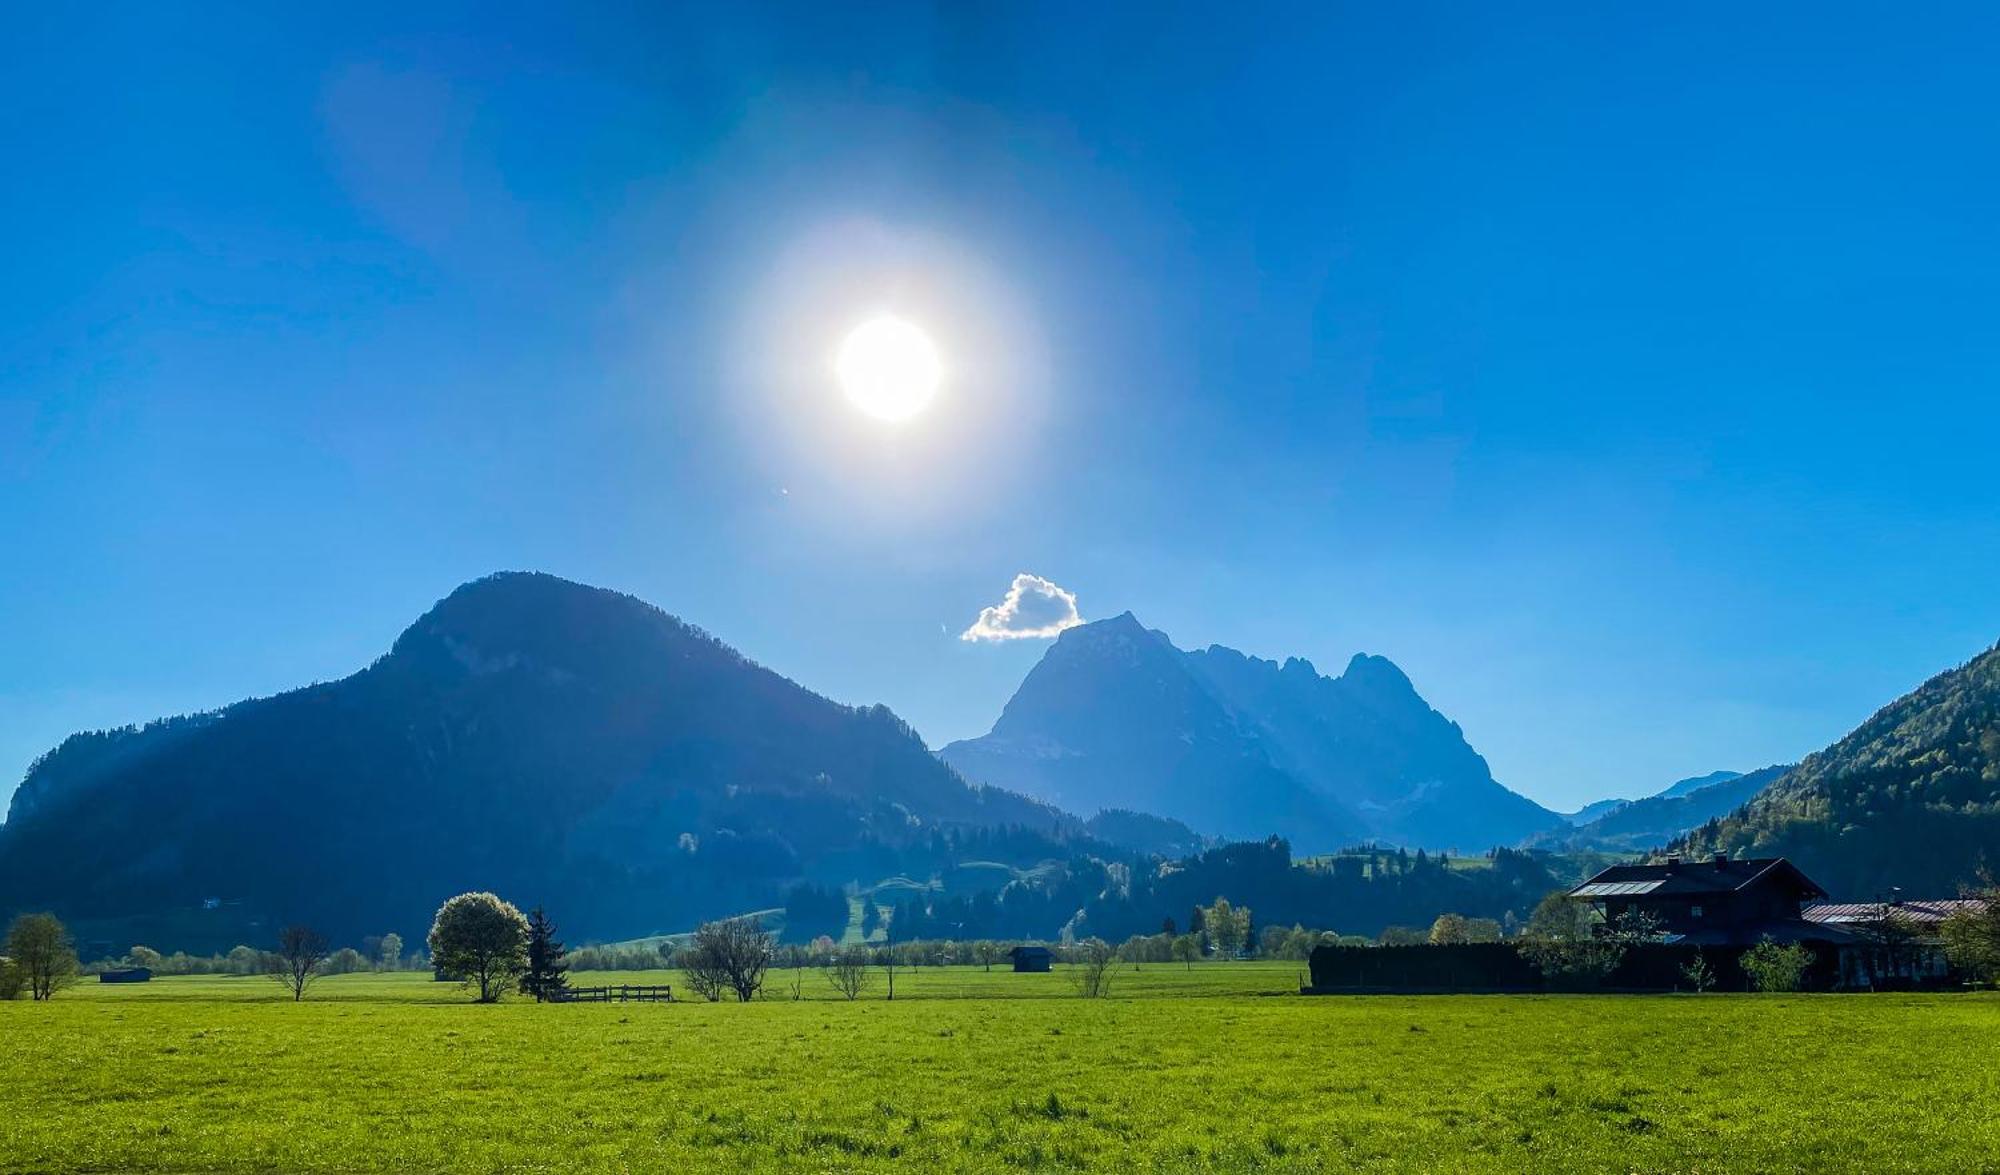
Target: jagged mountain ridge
column 1115, row 716
column 531, row 735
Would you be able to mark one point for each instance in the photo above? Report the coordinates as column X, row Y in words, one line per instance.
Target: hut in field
column 1032, row 958
column 126, row 975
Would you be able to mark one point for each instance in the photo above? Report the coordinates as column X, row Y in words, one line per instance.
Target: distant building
column 1032, row 958
column 1896, row 943
column 1718, row 902
column 126, row 975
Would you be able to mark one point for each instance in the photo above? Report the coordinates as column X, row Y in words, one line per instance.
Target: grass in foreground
column 397, row 1072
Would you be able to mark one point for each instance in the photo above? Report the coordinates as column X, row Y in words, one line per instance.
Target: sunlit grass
column 1213, row 1068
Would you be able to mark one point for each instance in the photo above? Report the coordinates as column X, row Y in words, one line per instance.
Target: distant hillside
column 1141, row 832
column 549, row 741
column 1641, row 824
column 1680, row 787
column 1593, row 810
column 1114, row 716
column 1911, row 798
column 1695, row 783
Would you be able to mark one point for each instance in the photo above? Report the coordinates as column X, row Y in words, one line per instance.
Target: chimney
column 1721, row 860
column 1674, row 863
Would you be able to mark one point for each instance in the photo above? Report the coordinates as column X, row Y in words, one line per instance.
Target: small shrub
column 1775, row 968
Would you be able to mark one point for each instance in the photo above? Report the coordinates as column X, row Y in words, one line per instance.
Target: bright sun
column 889, row 368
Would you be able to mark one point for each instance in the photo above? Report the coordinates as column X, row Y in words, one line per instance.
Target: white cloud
column 1034, row 608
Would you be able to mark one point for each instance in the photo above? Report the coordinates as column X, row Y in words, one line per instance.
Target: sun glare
column 889, row 368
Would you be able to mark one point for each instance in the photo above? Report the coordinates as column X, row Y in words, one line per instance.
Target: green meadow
column 1218, row 1067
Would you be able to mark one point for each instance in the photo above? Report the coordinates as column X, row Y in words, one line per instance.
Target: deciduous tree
column 1227, row 927
column 1972, row 935
column 482, row 940
column 1450, row 930
column 1090, row 962
column 41, row 948
column 41, row 952
column 1561, row 940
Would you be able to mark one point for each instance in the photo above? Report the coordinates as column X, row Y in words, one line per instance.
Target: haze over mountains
column 1115, row 716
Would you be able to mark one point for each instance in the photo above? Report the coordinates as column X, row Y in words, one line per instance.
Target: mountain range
column 529, row 735
column 1115, row 716
column 571, row 745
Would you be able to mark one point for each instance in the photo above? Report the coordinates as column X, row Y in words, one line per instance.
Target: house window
column 1694, row 911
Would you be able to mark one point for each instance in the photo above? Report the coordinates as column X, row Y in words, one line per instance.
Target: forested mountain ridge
column 1115, row 716
column 1695, row 783
column 530, row 735
column 1638, row 825
column 1910, row 798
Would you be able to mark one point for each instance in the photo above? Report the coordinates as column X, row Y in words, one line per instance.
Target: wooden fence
column 658, row 994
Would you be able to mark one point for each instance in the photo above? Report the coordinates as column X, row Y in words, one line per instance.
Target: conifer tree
column 544, row 978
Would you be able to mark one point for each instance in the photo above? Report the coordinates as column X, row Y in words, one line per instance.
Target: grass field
column 1217, row 1068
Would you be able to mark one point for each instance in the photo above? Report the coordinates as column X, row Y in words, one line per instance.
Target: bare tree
column 296, row 962
column 39, row 948
column 1092, row 959
column 701, row 972
column 889, row 952
column 730, row 955
column 849, row 971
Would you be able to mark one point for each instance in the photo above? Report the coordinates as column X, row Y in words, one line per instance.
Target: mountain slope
column 1593, row 810
column 1695, row 783
column 545, row 739
column 1641, row 824
column 1910, row 798
column 1115, row 716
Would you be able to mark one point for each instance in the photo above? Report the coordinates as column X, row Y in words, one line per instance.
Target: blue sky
column 1627, row 377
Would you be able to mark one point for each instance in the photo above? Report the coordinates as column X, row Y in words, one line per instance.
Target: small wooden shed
column 126, row 975
column 1032, row 958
